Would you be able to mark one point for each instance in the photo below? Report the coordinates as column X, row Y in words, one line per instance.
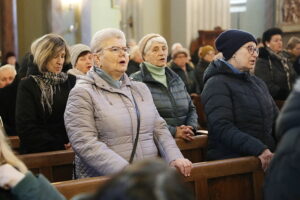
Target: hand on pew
column 9, row 176
column 68, row 146
column 184, row 166
column 265, row 158
column 184, row 132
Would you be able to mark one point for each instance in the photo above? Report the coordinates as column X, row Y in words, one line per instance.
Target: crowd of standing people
column 115, row 105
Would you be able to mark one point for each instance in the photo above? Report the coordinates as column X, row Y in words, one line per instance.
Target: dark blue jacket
column 240, row 113
column 173, row 103
column 283, row 176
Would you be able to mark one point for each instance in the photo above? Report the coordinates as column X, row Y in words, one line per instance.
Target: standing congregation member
column 42, row 98
column 239, row 109
column 7, row 75
column 111, row 120
column 273, row 67
column 168, row 90
column 81, row 59
column 180, row 65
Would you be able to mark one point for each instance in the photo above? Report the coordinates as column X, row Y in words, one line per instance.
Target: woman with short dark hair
column 273, row 67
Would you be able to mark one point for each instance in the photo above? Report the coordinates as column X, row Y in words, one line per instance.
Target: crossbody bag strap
column 137, row 131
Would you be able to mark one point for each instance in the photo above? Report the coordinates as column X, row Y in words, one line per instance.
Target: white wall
column 103, row 15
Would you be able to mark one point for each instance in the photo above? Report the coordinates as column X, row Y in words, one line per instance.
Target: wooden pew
column 195, row 150
column 230, row 179
column 55, row 165
column 200, row 111
column 58, row 165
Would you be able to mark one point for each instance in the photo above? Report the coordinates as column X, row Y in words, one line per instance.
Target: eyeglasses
column 117, row 50
column 252, row 49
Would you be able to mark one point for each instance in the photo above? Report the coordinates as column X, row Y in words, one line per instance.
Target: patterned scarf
column 284, row 62
column 49, row 82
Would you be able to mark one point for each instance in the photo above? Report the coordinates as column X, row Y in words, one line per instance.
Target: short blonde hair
column 8, row 67
column 103, row 35
column 7, row 155
column 46, row 47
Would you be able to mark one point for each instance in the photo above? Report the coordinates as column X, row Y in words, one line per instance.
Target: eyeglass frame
column 118, row 50
column 251, row 49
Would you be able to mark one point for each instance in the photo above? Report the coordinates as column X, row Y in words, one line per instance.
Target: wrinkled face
column 157, row 54
column 296, row 50
column 181, row 59
column 275, row 43
column 11, row 60
column 6, row 78
column 84, row 63
column 245, row 57
column 56, row 63
column 209, row 57
column 113, row 57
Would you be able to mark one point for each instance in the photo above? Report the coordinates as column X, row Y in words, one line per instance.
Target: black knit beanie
column 230, row 41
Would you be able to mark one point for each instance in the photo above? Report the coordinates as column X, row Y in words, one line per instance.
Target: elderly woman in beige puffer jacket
column 102, row 115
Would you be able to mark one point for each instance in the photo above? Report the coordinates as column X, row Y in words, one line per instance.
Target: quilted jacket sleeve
column 83, row 135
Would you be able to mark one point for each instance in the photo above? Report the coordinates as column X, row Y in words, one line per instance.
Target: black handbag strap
column 137, row 131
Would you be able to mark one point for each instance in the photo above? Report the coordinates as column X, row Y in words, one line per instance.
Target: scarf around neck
column 284, row 62
column 48, row 83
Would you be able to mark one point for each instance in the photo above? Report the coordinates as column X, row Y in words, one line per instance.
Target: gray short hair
column 46, row 47
column 104, row 34
column 155, row 39
column 9, row 68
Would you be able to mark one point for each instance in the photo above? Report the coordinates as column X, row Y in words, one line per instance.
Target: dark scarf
column 49, row 82
column 284, row 61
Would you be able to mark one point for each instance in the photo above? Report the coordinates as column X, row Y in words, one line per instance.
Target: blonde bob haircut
column 47, row 47
column 7, row 155
column 99, row 38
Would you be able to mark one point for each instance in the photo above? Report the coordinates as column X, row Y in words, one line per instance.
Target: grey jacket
column 101, row 123
column 173, row 103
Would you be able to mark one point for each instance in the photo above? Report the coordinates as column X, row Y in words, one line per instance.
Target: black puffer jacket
column 270, row 69
column 187, row 77
column 173, row 103
column 283, row 176
column 240, row 113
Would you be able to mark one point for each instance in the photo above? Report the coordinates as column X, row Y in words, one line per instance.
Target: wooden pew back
column 55, row 165
column 230, row 179
column 200, row 111
column 195, row 150
column 58, row 165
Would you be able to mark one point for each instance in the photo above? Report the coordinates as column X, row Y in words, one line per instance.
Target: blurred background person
column 42, row 98
column 7, row 75
column 293, row 52
column 149, row 180
column 10, row 58
column 180, row 65
column 174, row 48
column 273, row 67
column 283, row 177
column 239, row 109
column 112, row 120
column 135, row 59
column 168, row 90
column 81, row 59
column 206, row 55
